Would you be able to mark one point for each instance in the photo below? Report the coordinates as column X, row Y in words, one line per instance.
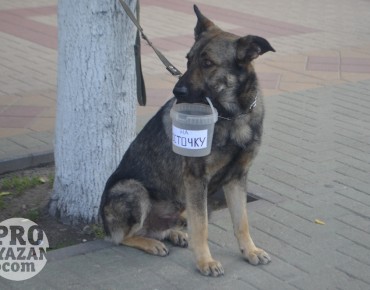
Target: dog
column 144, row 200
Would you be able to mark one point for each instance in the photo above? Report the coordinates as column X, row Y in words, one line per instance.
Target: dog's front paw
column 257, row 256
column 210, row 268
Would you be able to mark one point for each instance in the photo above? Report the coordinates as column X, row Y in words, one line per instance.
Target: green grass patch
column 62, row 245
column 51, row 179
column 19, row 184
column 98, row 231
column 33, row 215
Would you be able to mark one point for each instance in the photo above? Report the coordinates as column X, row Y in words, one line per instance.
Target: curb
column 26, row 161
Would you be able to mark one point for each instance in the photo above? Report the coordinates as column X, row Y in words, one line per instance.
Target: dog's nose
column 180, row 91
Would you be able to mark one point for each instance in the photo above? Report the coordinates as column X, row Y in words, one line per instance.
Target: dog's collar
column 250, row 109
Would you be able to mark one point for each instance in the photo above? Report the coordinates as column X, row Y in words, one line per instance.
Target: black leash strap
column 169, row 66
column 140, row 83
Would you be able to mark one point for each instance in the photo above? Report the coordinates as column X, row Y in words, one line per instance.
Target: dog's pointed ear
column 250, row 47
column 203, row 23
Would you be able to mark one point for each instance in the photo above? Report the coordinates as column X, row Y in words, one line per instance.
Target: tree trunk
column 96, row 104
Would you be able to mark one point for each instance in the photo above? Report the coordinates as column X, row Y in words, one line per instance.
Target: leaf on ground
column 43, row 179
column 5, row 193
column 319, row 222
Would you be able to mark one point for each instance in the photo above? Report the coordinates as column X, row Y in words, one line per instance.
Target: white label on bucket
column 189, row 139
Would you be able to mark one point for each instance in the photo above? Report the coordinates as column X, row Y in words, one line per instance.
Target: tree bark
column 96, row 103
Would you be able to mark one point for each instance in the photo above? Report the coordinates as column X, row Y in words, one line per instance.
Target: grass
column 98, row 232
column 19, row 184
column 51, row 179
column 33, row 215
column 61, row 245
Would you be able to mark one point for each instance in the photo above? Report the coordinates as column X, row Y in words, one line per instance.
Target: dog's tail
column 101, row 211
column 115, row 236
column 109, row 184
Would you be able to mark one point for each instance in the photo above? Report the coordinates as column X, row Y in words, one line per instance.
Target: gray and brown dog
column 144, row 199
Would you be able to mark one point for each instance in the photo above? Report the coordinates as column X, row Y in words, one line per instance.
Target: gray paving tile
column 314, row 163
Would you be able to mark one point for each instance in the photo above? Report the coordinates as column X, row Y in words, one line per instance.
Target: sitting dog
column 144, row 199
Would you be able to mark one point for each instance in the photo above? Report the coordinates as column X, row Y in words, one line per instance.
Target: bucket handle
column 214, row 112
column 215, row 115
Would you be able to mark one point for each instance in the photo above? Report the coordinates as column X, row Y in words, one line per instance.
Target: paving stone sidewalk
column 314, row 162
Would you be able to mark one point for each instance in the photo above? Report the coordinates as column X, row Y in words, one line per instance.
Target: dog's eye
column 207, row 63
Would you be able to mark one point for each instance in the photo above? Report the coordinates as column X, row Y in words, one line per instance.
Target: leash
column 169, row 66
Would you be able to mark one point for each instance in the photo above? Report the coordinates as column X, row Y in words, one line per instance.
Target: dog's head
column 220, row 67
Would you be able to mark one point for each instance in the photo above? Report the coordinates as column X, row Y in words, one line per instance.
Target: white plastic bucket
column 192, row 128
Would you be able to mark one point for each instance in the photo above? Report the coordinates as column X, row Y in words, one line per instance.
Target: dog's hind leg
column 154, row 246
column 235, row 193
column 148, row 245
column 125, row 211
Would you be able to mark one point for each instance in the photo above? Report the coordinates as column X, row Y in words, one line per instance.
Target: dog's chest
column 223, row 169
column 241, row 132
column 234, row 147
